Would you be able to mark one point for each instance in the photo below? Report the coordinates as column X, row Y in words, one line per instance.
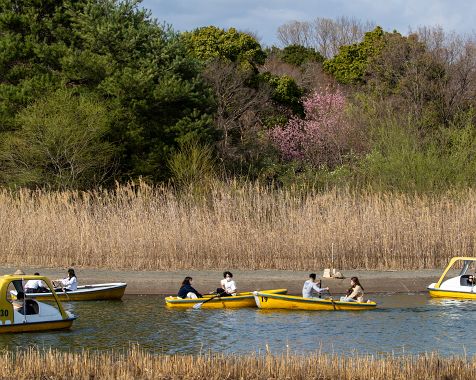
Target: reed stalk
column 138, row 227
column 138, row 364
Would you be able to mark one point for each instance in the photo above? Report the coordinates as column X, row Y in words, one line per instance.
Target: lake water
column 402, row 324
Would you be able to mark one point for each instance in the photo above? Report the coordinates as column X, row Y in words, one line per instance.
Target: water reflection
column 403, row 324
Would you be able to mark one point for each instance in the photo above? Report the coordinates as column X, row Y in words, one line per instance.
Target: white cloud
column 265, row 16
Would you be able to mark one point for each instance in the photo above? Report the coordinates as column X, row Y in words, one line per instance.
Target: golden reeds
column 242, row 227
column 138, row 364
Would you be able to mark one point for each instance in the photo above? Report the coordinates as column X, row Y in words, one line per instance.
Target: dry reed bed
column 137, row 364
column 139, row 227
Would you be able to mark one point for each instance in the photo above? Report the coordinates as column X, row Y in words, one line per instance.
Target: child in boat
column 228, row 285
column 187, row 290
column 69, row 283
column 355, row 292
column 310, row 288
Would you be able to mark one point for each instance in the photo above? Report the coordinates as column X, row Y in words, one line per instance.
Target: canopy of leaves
column 209, row 43
column 59, row 144
column 350, row 64
column 112, row 50
column 298, row 55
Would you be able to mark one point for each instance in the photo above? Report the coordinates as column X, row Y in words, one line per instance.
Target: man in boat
column 35, row 286
column 228, row 285
column 310, row 288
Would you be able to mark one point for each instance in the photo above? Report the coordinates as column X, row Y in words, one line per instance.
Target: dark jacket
column 185, row 289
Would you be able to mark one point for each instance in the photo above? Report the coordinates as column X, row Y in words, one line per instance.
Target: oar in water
column 199, row 305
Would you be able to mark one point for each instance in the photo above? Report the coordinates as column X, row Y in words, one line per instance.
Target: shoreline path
column 168, row 282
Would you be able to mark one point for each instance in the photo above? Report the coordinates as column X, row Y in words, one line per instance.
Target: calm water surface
column 402, row 324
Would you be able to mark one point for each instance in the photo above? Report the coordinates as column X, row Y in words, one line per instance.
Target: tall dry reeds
column 247, row 227
column 137, row 364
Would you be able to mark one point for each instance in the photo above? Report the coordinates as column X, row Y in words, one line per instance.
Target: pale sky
column 263, row 17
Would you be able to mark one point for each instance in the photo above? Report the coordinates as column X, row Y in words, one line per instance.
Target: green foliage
column 34, row 35
column 209, row 43
column 111, row 49
column 298, row 55
column 59, row 143
column 192, row 164
column 400, row 160
column 350, row 64
column 285, row 91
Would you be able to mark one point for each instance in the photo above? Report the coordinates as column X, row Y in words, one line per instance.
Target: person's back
column 310, row 287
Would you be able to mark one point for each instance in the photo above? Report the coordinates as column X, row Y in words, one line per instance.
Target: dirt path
column 160, row 282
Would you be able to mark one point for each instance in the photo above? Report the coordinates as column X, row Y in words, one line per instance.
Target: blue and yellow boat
column 265, row 300
column 462, row 286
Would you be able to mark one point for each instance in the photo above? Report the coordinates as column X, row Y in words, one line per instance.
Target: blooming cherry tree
column 322, row 137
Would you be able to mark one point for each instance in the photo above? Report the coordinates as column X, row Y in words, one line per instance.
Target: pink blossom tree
column 323, row 137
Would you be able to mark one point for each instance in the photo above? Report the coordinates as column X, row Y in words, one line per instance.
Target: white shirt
column 229, row 286
column 70, row 283
column 34, row 284
column 309, row 288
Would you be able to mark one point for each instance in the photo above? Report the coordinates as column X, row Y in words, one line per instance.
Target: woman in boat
column 355, row 292
column 69, row 283
column 228, row 285
column 187, row 290
column 310, row 288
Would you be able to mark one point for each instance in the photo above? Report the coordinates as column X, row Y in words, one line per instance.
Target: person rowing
column 67, row 284
column 187, row 290
column 310, row 288
column 228, row 285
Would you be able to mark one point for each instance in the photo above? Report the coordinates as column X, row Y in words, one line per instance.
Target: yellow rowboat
column 27, row 315
column 244, row 299
column 265, row 300
column 462, row 286
column 94, row 292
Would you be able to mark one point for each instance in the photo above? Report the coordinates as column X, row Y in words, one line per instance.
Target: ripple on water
column 401, row 324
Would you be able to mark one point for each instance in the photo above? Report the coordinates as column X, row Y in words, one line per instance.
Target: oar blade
column 198, row 305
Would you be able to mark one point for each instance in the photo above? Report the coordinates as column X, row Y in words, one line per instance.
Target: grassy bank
column 234, row 227
column 34, row 364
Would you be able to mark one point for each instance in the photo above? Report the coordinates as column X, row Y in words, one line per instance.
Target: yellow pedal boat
column 94, row 292
column 265, row 300
column 244, row 299
column 462, row 286
column 26, row 314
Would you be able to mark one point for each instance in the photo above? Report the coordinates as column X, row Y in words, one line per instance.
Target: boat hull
column 241, row 300
column 62, row 324
column 266, row 300
column 85, row 293
column 439, row 293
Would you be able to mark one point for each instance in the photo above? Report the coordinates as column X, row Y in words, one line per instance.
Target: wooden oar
column 199, row 305
column 332, row 300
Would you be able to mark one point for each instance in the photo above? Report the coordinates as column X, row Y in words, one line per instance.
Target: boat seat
column 464, row 280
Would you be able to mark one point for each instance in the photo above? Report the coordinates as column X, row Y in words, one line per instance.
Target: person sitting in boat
column 25, row 306
column 310, row 288
column 228, row 285
column 67, row 284
column 355, row 292
column 187, row 290
column 35, row 286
